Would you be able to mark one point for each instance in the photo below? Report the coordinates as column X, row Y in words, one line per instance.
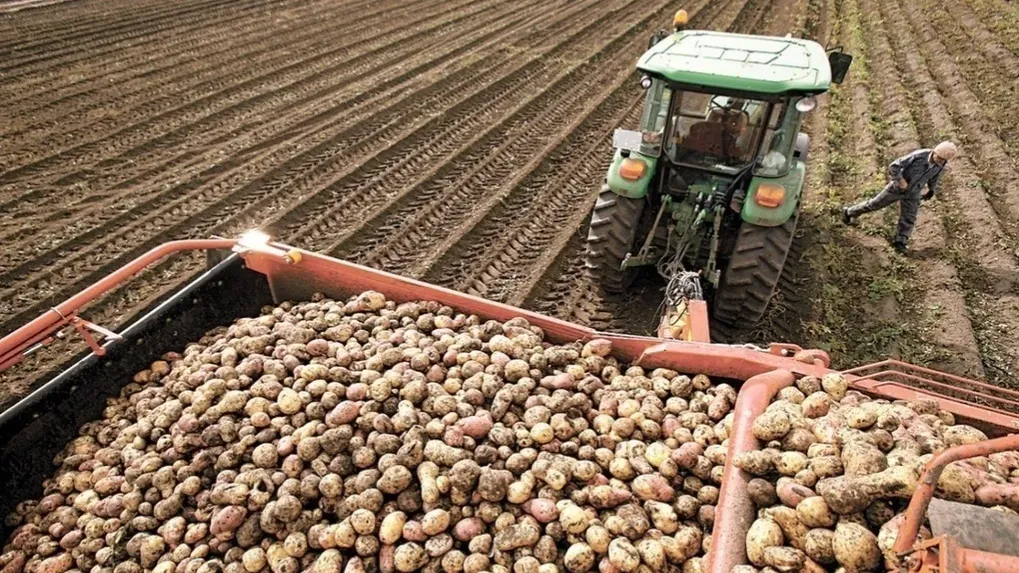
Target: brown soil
column 460, row 141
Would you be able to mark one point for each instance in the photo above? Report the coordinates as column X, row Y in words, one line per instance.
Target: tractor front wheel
column 750, row 278
column 610, row 236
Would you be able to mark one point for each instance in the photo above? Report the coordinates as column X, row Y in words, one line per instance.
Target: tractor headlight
column 769, row 195
column 645, row 82
column 632, row 169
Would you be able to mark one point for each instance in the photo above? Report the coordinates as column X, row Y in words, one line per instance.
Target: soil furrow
column 415, row 235
column 1001, row 17
column 512, row 243
column 990, row 298
column 145, row 29
column 84, row 18
column 946, row 321
column 221, row 94
column 120, row 173
column 186, row 217
column 991, row 245
column 342, row 203
column 136, row 78
column 66, row 84
column 277, row 166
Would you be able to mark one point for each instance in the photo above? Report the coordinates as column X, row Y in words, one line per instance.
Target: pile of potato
column 837, row 471
column 363, row 435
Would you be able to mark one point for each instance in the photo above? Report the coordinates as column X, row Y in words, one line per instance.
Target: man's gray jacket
column 918, row 170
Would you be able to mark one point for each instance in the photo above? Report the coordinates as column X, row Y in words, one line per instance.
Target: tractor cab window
column 717, row 132
column 776, row 154
column 654, row 117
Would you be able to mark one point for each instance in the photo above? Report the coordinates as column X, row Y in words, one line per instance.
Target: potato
column 856, row 548
column 954, row 484
column 861, row 458
column 818, row 545
column 623, row 555
column 793, row 531
column 792, row 494
column 847, row 495
column 758, row 462
column 991, row 494
column 579, row 558
column 814, row 512
column 786, row 559
column 791, row 463
column 808, row 385
column 962, row 434
column 798, row 440
column 762, row 493
column 329, row 561
column 763, row 533
column 835, row 385
column 772, row 425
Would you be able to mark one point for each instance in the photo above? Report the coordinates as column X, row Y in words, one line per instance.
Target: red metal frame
column 689, row 322
column 923, row 557
column 971, row 399
column 41, row 330
column 734, row 512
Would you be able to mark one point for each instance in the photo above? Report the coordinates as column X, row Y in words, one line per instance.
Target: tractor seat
column 735, row 120
column 713, row 138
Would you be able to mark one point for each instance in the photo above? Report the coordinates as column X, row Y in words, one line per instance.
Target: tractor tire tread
column 751, row 277
column 611, row 235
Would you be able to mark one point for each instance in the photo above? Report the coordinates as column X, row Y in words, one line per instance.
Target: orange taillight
column 632, row 169
column 770, row 195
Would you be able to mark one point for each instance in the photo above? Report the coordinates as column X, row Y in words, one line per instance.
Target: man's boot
column 847, row 219
column 900, row 246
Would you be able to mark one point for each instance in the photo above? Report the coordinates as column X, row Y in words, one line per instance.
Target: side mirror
column 839, row 62
column 656, row 37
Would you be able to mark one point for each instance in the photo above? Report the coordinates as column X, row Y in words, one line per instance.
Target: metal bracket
column 83, row 327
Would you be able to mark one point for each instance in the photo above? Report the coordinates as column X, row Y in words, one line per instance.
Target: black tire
column 610, row 236
column 750, row 278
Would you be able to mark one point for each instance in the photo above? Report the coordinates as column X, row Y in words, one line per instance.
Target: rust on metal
column 943, row 554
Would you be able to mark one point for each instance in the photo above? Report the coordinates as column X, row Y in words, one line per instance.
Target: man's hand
column 903, row 184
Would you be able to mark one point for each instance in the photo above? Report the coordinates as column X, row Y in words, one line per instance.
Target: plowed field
column 462, row 141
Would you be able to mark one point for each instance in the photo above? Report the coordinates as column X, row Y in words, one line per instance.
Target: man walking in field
column 907, row 177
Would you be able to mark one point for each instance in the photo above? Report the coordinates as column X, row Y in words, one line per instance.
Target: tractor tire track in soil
column 219, row 135
column 457, row 141
column 495, row 90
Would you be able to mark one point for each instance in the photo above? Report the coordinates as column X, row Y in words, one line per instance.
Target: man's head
column 944, row 152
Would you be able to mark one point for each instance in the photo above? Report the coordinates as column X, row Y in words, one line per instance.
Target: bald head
column 945, row 151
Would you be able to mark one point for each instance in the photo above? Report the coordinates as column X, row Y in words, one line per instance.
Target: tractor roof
column 760, row 64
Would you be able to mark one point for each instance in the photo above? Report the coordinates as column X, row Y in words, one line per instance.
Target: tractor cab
column 717, row 163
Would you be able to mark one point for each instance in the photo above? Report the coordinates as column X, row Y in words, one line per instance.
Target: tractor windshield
column 718, row 132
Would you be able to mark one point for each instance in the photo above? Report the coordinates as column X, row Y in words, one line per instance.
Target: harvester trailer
column 252, row 271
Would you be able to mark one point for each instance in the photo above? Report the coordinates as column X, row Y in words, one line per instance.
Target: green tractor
column 709, row 187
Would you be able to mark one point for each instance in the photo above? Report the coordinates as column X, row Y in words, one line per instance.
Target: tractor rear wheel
column 610, row 236
column 750, row 278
